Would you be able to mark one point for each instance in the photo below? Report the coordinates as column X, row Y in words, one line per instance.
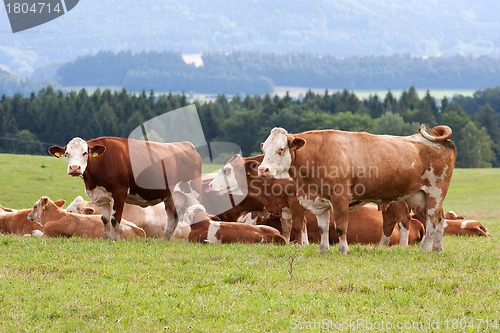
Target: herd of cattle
column 304, row 188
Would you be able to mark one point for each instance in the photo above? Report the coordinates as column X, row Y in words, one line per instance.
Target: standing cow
column 118, row 170
column 333, row 169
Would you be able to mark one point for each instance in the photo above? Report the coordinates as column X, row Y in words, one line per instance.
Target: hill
column 340, row 28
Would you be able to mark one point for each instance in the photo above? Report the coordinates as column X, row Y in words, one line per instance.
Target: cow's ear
column 296, row 144
column 97, row 150
column 44, row 201
column 88, row 211
column 251, row 166
column 60, row 202
column 57, row 151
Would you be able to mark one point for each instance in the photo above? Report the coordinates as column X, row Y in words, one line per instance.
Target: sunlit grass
column 147, row 285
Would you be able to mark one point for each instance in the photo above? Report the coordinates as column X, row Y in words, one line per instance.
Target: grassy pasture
column 82, row 285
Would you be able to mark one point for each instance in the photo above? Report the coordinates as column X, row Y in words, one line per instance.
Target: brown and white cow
column 335, row 169
column 58, row 222
column 215, row 232
column 119, row 170
column 277, row 196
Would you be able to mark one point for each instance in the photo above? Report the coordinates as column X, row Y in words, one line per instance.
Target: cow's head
column 77, row 151
column 277, row 153
column 196, row 213
column 233, row 177
column 40, row 206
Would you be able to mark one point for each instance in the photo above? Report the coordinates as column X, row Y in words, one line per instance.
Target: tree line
column 258, row 72
column 29, row 124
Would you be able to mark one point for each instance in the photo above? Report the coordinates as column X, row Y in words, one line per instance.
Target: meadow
column 147, row 285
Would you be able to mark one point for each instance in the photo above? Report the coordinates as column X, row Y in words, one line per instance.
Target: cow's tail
column 436, row 134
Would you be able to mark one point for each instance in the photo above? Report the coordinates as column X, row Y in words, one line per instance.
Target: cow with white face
column 144, row 173
column 277, row 196
column 337, row 169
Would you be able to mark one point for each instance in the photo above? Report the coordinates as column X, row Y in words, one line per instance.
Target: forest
column 30, row 124
column 258, row 72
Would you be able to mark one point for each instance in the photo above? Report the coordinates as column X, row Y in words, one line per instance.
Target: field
column 439, row 94
column 82, row 285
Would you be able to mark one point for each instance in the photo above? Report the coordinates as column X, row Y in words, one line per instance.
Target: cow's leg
column 388, row 224
column 429, row 236
column 286, row 223
column 438, row 237
column 305, row 237
column 172, row 219
column 116, row 217
column 403, row 233
column 340, row 216
column 106, row 217
column 324, row 226
column 298, row 222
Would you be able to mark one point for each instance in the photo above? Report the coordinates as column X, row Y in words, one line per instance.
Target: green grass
column 147, row 285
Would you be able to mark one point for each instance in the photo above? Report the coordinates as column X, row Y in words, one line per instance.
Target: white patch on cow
column 125, row 227
column 225, row 181
column 429, row 237
column 190, row 213
column 100, row 196
column 211, row 234
column 438, row 235
column 277, row 158
column 343, row 246
column 452, row 213
column 286, row 213
column 464, row 224
column 184, row 199
column 305, row 236
column 35, row 233
column 155, row 215
column 316, row 206
column 413, row 164
column 433, row 190
column 182, row 230
column 384, row 240
column 403, row 235
column 73, row 206
column 324, row 226
column 247, row 219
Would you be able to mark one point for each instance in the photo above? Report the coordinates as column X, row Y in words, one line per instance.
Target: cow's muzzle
column 75, row 170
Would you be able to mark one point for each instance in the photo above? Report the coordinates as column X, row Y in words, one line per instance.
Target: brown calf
column 18, row 223
column 206, row 230
column 57, row 222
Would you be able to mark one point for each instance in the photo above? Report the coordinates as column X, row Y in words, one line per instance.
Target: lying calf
column 458, row 225
column 204, row 229
column 17, row 222
column 57, row 222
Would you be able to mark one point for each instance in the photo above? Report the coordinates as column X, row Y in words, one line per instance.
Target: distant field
column 295, row 92
column 147, row 285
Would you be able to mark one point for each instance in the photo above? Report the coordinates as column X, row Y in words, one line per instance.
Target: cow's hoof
column 324, row 249
column 343, row 251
